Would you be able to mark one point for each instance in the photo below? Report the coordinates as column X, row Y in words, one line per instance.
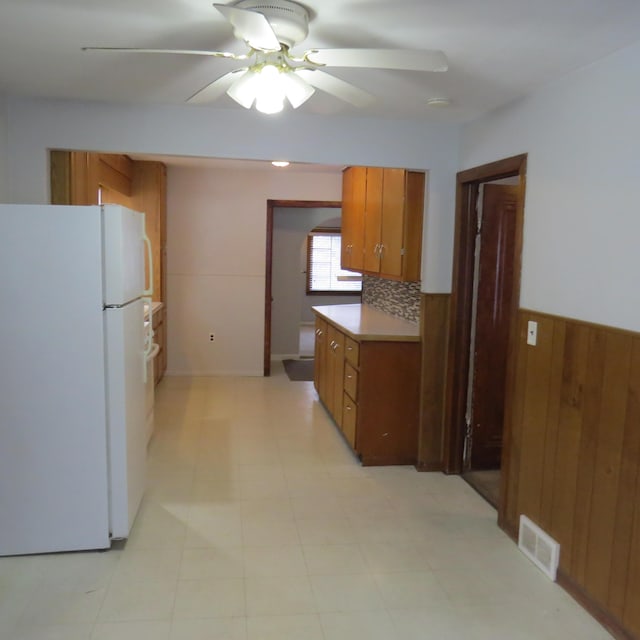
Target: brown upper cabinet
column 84, row 178
column 382, row 222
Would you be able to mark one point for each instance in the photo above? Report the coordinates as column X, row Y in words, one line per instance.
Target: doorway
column 271, row 205
column 486, row 285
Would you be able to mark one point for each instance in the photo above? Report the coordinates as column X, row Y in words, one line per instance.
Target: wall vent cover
column 539, row 547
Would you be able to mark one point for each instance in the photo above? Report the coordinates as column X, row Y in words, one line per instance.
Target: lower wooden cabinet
column 371, row 389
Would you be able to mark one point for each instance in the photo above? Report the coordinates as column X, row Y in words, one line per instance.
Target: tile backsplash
column 400, row 299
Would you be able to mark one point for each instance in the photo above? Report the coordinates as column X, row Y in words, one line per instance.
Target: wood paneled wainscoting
column 434, row 331
column 573, row 458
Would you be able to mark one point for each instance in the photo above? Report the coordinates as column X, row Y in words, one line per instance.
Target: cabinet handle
column 381, row 250
column 349, row 376
column 349, row 348
column 348, row 408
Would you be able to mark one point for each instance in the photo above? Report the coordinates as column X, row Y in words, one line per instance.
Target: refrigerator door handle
column 147, row 242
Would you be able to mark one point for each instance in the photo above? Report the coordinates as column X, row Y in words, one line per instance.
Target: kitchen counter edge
column 363, row 322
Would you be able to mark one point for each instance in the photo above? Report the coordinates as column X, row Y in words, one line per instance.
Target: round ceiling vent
column 289, row 20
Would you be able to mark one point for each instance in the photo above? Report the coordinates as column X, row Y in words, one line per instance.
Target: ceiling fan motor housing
column 289, row 20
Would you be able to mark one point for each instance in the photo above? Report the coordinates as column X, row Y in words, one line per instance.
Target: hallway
column 259, row 524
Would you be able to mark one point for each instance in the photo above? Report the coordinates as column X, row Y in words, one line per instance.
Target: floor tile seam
column 375, row 585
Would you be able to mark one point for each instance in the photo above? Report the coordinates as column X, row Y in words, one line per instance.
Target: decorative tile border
column 400, row 299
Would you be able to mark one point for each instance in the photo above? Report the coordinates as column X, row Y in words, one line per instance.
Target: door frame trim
column 467, row 187
column 271, row 205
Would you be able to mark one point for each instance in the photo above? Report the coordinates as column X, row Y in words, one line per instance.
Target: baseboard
column 429, row 466
column 213, row 374
column 580, row 595
column 275, row 357
column 611, row 624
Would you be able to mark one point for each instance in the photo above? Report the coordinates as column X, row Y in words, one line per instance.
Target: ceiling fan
column 271, row 28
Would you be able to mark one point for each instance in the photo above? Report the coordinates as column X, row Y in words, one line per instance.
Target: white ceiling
column 497, row 49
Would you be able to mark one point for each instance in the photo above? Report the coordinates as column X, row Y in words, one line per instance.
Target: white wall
column 581, row 255
column 36, row 125
column 216, row 238
column 4, row 126
column 291, row 305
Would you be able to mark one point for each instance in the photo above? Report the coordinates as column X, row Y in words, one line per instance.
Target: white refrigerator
column 73, row 349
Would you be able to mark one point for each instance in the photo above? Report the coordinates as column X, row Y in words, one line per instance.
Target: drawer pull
column 348, row 408
column 349, row 376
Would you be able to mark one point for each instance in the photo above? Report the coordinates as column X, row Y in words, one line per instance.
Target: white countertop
column 364, row 322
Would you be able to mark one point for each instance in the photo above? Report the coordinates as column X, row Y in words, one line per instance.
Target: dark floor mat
column 299, row 370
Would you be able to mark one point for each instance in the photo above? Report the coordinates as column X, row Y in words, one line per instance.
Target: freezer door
column 53, row 458
column 124, row 254
column 126, row 414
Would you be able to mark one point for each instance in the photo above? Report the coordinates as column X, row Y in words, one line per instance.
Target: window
column 324, row 274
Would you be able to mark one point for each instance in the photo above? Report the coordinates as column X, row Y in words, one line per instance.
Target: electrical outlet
column 532, row 333
column 212, row 337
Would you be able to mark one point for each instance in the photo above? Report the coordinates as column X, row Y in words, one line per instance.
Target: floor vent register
column 539, row 547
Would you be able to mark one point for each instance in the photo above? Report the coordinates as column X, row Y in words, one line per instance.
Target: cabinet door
column 336, row 375
column 413, row 218
column 349, row 420
column 373, row 219
column 391, row 233
column 353, row 199
column 320, row 363
column 401, row 226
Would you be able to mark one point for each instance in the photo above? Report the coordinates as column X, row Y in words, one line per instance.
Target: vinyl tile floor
column 259, row 524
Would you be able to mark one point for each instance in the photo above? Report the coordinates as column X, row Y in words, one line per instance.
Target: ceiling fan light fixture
column 267, row 85
column 296, row 89
column 243, row 90
column 270, row 93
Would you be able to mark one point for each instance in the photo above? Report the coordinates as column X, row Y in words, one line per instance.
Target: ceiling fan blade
column 189, row 52
column 251, row 26
column 215, row 89
column 410, row 59
column 336, row 87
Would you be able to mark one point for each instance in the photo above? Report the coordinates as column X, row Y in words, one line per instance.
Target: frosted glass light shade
column 296, row 89
column 243, row 90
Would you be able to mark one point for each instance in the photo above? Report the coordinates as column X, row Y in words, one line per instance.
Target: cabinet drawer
column 349, row 417
column 352, row 351
column 351, row 381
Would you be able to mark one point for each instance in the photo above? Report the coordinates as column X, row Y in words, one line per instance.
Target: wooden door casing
column 459, row 341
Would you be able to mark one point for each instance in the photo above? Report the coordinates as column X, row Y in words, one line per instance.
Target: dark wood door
column 493, row 308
